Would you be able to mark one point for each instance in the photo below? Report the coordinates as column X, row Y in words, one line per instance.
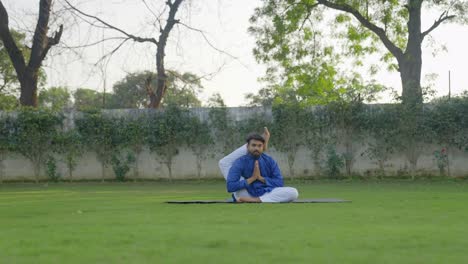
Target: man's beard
column 256, row 153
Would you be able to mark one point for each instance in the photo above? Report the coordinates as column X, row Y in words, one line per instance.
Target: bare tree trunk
column 410, row 63
column 29, row 88
column 28, row 73
column 161, row 86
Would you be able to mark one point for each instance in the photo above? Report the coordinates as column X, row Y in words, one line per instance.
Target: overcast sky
column 225, row 23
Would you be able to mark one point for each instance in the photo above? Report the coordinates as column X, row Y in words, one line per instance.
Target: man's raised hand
column 266, row 136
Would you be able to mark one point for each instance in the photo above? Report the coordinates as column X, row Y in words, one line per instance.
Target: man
column 253, row 176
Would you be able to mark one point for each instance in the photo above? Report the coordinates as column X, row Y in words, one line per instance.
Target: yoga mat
column 322, row 200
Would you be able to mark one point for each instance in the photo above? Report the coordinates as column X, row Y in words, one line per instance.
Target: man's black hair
column 255, row 136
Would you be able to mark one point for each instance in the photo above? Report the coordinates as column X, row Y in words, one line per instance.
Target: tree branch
column 15, row 54
column 51, row 41
column 207, row 40
column 444, row 16
column 309, row 12
column 40, row 39
column 397, row 52
column 160, row 53
column 113, row 51
column 130, row 36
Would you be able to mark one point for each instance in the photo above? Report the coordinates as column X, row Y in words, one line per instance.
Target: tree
column 86, row 99
column 9, row 80
column 264, row 97
column 55, row 98
column 183, row 90
column 9, row 84
column 284, row 25
column 8, row 102
column 131, row 91
column 28, row 70
column 157, row 93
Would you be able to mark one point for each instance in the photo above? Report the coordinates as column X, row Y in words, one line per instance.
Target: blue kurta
column 244, row 167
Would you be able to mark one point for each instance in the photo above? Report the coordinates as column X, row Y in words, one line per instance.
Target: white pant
column 277, row 195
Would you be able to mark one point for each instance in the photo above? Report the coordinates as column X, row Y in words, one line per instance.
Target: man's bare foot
column 266, row 136
column 249, row 200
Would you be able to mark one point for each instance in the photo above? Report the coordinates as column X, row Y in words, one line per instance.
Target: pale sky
column 225, row 23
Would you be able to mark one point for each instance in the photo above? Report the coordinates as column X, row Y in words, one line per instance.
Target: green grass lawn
column 387, row 222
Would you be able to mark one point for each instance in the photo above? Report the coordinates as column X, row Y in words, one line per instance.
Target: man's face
column 255, row 147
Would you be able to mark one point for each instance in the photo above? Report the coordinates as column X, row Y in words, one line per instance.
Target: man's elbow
column 222, row 163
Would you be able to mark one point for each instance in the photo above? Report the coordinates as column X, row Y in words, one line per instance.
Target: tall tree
column 157, row 93
column 28, row 71
column 395, row 24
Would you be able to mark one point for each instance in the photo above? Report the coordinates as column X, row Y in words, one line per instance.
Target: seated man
column 253, row 176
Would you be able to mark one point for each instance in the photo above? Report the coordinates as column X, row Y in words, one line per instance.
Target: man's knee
column 293, row 194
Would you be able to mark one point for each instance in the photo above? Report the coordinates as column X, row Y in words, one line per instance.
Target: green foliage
column 70, row 145
column 87, row 99
column 289, row 131
column 97, row 132
column 382, row 127
column 450, row 121
column 8, row 102
column 302, row 66
column 200, row 141
column 305, row 42
column 121, row 164
column 334, row 163
column 5, row 141
column 224, row 130
column 168, row 132
column 51, row 169
column 183, row 90
column 318, row 135
column 441, row 158
column 32, row 133
column 131, row 91
column 380, row 132
column 347, row 119
column 55, row 98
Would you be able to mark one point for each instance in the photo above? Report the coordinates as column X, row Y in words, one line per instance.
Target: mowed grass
column 387, row 222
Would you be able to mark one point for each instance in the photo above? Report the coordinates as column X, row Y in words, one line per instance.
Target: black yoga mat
column 322, row 200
